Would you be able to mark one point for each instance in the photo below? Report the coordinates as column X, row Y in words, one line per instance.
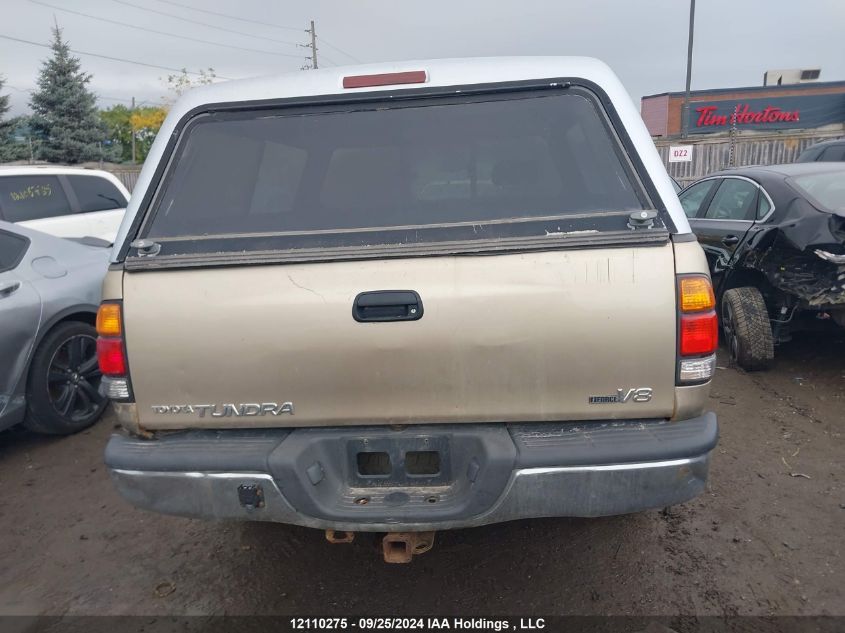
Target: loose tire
column 748, row 332
column 62, row 394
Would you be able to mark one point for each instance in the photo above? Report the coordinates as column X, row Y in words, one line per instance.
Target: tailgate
column 507, row 210
column 512, row 337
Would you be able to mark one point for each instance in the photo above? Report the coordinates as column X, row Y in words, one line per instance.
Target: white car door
column 38, row 201
column 101, row 199
column 65, row 205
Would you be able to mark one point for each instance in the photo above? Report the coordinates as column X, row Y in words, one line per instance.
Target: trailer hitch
column 401, row 547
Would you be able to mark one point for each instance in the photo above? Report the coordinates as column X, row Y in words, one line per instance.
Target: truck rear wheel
column 748, row 332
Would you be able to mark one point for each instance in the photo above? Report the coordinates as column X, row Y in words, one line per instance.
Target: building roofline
column 713, row 91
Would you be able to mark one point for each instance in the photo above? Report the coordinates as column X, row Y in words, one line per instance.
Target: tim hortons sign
column 771, row 113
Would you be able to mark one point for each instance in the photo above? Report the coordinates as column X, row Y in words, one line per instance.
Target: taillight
column 109, row 322
column 698, row 329
column 699, row 334
column 111, row 351
column 695, row 293
column 110, row 356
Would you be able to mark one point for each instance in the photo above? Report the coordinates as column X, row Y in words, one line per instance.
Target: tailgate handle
column 387, row 305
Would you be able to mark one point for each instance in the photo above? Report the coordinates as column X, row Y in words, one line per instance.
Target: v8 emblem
column 637, row 394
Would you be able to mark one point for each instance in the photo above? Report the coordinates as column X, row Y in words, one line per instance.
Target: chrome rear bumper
column 574, row 491
column 497, row 473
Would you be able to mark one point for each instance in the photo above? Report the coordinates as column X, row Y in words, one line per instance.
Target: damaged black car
column 775, row 242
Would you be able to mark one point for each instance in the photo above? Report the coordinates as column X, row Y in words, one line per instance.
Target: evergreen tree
column 9, row 149
column 5, row 132
column 64, row 110
column 4, row 100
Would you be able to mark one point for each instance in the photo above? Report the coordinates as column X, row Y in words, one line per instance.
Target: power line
column 339, row 50
column 211, row 26
column 124, row 99
column 114, row 59
column 330, row 60
column 231, row 17
column 176, row 35
column 98, row 96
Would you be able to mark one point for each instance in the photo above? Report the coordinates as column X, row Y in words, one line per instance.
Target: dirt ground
column 765, row 539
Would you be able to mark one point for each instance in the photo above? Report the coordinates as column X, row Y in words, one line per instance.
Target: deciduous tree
column 179, row 83
column 122, row 122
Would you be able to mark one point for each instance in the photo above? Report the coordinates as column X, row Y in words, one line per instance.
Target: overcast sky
column 644, row 41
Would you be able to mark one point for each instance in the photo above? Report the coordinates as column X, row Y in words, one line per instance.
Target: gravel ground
column 765, row 539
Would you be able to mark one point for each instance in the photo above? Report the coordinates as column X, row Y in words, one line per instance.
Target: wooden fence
column 709, row 154
column 129, row 177
column 712, row 154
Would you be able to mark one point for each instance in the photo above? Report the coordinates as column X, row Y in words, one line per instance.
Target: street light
column 685, row 113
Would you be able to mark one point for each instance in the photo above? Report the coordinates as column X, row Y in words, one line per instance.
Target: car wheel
column 64, row 379
column 747, row 329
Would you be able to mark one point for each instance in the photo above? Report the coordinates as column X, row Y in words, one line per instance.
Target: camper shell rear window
column 455, row 173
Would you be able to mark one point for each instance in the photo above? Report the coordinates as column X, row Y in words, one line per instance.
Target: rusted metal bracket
column 400, row 547
column 334, row 536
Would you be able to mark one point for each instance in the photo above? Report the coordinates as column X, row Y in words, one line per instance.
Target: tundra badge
column 227, row 410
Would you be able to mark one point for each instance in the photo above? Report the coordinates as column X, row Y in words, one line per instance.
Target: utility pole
column 685, row 112
column 313, row 33
column 132, row 130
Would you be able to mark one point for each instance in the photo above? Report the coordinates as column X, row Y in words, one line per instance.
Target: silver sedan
column 49, row 292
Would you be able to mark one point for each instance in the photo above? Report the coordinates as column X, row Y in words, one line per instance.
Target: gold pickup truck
column 408, row 297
